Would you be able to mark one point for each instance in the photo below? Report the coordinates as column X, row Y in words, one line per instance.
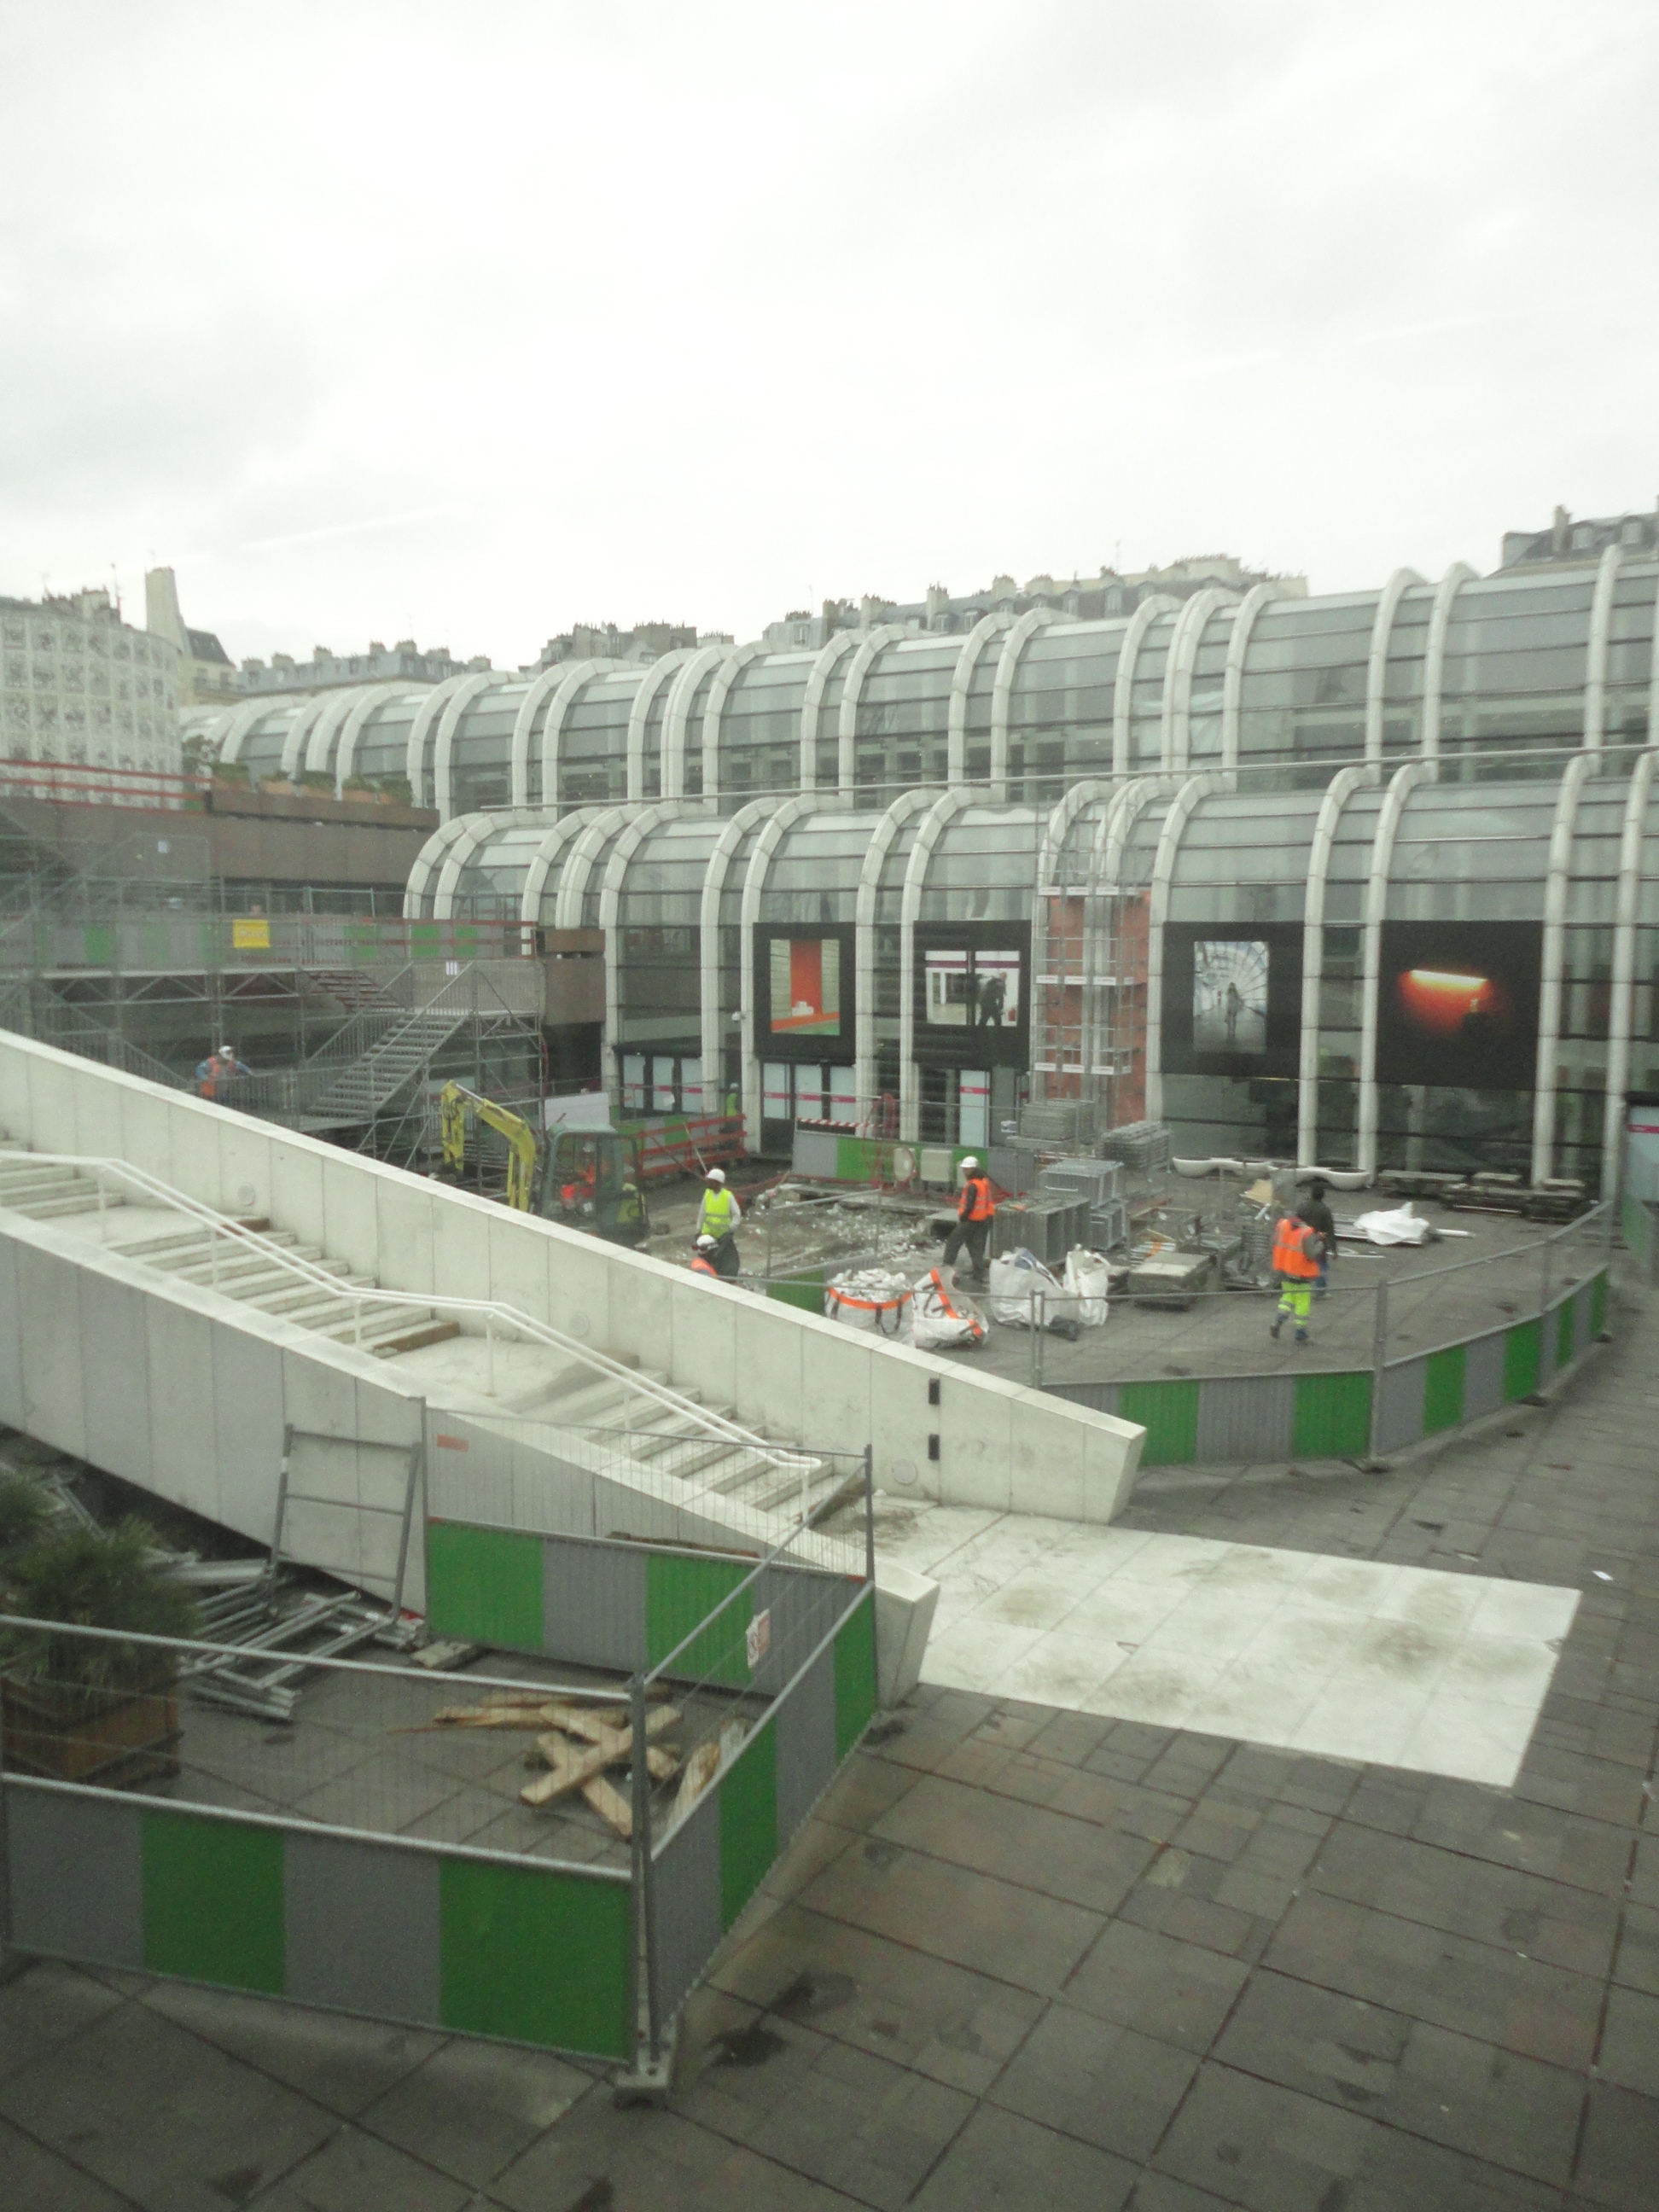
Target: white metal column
column 1631, row 847
column 1404, row 780
column 1338, row 792
column 1157, row 908
column 1558, row 882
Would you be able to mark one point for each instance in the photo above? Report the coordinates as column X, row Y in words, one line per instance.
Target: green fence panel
column 485, row 1584
column 853, row 1159
column 748, row 1821
column 1598, row 1290
column 213, row 1901
column 681, row 1591
column 855, row 1676
column 1442, row 1390
column 1522, row 1349
column 1169, row 1413
column 806, row 1291
column 1333, row 1416
column 536, row 1956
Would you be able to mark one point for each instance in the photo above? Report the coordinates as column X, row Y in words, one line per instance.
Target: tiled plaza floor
column 1035, row 1959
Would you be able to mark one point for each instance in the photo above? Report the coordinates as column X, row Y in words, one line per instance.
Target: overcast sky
column 463, row 322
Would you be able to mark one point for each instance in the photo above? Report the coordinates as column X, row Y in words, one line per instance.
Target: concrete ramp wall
column 938, row 1430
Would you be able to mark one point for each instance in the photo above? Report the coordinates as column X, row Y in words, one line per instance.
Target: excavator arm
column 458, row 1107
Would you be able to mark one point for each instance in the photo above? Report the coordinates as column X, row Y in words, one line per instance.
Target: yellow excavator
column 580, row 1177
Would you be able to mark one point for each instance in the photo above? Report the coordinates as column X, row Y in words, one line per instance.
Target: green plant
column 235, row 772
column 317, row 779
column 398, row 787
column 24, row 1509
column 90, row 1578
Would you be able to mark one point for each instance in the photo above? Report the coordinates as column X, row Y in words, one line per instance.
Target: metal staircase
column 371, row 1084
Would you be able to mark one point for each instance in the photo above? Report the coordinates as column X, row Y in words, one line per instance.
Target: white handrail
column 494, row 1311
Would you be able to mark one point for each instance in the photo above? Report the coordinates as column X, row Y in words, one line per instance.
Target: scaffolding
column 1088, row 1010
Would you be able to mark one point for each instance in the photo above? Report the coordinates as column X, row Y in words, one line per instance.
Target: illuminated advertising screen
column 972, row 986
column 1457, row 1004
column 1232, row 998
column 804, row 986
column 1230, row 994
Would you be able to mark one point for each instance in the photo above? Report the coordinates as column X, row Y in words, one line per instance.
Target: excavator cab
column 585, row 1178
column 587, row 1181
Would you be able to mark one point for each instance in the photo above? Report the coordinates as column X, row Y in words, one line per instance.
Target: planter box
column 115, row 1737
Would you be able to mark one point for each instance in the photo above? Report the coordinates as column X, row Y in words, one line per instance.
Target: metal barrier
column 385, row 1853
column 1536, row 1310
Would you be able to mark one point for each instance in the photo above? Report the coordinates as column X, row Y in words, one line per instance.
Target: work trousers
column 1296, row 1299
column 976, row 1235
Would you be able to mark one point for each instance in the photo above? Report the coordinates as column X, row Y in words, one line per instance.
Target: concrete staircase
column 673, row 1446
column 683, row 1454
column 251, row 1274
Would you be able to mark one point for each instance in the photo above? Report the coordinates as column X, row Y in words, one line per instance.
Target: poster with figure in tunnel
column 1230, row 995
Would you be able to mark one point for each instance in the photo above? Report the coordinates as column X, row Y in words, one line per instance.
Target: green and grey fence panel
column 594, row 1602
column 439, row 1938
column 1237, row 1418
column 705, row 1871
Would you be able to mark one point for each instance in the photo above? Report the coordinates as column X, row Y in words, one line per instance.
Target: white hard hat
column 705, row 1244
column 715, row 1175
column 228, row 1050
column 968, row 1164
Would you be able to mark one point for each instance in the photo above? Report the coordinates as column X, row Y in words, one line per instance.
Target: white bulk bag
column 941, row 1315
column 869, row 1298
column 1018, row 1280
column 1087, row 1278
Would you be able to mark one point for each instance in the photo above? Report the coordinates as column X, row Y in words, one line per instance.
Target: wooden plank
column 700, row 1769
column 565, row 1773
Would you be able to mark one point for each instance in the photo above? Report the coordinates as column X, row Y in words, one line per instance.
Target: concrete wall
column 187, row 1395
column 999, row 1445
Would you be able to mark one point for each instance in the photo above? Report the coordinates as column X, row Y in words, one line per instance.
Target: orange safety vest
column 976, row 1203
column 1293, row 1253
column 701, row 1266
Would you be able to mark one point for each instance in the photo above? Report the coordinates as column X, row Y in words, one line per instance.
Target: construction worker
column 218, row 1071
column 1297, row 1250
column 1318, row 1215
column 702, row 1262
column 719, row 1212
column 975, row 1207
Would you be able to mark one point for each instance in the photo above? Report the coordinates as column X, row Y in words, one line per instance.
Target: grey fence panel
column 686, row 1916
column 1399, row 1419
column 806, row 1726
column 362, row 1930
column 77, row 1869
column 1483, row 1375
column 804, row 1604
column 594, row 1603
column 1246, row 1417
column 1099, row 1397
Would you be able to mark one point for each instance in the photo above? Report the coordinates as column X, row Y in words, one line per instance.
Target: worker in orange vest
column 702, row 1264
column 1297, row 1251
column 974, row 1208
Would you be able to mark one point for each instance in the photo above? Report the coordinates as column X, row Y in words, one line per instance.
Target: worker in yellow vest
column 721, row 1213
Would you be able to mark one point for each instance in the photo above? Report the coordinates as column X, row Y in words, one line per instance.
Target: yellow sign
column 251, row 936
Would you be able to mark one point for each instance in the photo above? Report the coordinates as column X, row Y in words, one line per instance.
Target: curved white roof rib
column 1002, row 690
column 962, row 678
column 870, row 643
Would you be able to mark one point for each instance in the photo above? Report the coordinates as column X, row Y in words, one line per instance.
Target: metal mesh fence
column 374, row 1748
